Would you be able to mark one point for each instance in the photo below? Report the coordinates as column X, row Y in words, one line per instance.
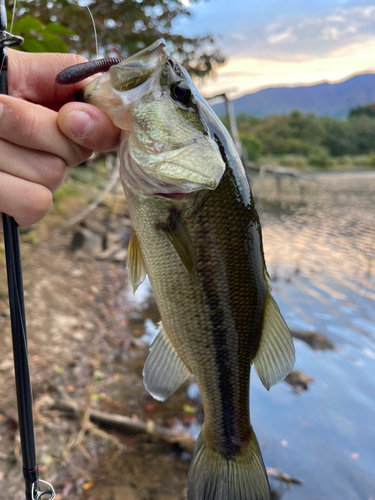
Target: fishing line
column 95, row 33
column 13, row 16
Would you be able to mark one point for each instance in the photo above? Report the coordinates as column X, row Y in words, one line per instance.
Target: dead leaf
column 189, row 410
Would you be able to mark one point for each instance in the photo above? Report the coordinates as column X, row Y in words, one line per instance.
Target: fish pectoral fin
column 135, row 264
column 175, row 231
column 275, row 356
column 164, row 370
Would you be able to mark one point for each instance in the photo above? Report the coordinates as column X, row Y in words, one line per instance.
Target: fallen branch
column 137, row 426
column 111, row 184
column 126, row 424
column 281, row 476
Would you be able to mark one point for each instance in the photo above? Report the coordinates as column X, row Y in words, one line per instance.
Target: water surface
column 319, row 240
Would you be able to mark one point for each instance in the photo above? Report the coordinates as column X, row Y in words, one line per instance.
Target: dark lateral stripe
column 226, row 415
column 226, row 418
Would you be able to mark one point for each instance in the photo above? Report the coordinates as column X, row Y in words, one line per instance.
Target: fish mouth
column 135, row 70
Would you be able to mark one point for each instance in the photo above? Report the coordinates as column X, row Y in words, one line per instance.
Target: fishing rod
column 17, row 312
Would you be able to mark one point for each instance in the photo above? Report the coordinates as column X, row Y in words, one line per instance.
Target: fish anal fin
column 275, row 356
column 213, row 476
column 175, row 231
column 135, row 264
column 164, row 370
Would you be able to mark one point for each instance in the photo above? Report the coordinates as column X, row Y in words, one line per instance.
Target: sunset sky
column 285, row 42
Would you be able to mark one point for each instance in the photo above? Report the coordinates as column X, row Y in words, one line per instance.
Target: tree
column 363, row 130
column 39, row 37
column 123, row 27
column 368, row 110
column 338, row 137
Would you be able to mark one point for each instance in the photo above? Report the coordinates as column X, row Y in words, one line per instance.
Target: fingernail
column 79, row 123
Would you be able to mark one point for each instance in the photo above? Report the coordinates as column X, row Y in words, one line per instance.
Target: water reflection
column 320, row 252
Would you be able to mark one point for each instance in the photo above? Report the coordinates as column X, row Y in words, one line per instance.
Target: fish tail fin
column 215, row 477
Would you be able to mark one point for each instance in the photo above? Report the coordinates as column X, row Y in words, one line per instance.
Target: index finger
column 32, row 77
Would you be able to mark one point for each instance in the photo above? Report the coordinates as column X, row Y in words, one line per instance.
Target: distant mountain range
column 334, row 99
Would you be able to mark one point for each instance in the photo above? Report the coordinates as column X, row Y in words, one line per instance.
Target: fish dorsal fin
column 275, row 356
column 135, row 264
column 164, row 370
column 175, row 231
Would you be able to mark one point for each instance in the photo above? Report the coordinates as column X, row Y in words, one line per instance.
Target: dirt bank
column 81, row 343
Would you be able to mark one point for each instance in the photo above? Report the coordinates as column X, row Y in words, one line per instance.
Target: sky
column 284, row 43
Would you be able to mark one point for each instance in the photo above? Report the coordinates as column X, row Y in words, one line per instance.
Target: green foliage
column 297, row 138
column 368, row 110
column 253, row 146
column 294, row 161
column 318, row 156
column 337, row 137
column 369, row 160
column 123, row 27
column 363, row 134
column 39, row 37
column 282, row 135
column 66, row 192
column 225, row 120
column 32, row 237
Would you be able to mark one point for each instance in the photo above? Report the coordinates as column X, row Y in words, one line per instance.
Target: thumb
column 87, row 126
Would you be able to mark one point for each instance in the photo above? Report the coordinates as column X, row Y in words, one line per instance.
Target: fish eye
column 181, row 92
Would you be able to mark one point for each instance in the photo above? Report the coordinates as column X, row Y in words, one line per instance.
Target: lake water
column 319, row 241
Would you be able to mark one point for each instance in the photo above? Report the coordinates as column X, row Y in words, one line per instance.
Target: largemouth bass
column 197, row 235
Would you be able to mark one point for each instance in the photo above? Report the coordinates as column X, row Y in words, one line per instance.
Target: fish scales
column 197, row 234
column 219, row 316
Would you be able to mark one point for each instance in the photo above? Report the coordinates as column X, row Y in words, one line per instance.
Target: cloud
column 340, row 26
column 297, row 37
column 292, row 49
column 335, row 19
column 248, row 74
column 281, row 37
column 239, row 74
column 330, row 33
column 238, row 36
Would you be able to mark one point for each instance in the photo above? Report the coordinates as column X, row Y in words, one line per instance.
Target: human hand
column 42, row 133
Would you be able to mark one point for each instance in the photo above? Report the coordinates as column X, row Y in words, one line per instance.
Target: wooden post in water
column 233, row 125
column 233, row 129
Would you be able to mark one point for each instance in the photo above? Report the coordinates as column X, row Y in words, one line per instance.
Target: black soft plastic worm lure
column 79, row 72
